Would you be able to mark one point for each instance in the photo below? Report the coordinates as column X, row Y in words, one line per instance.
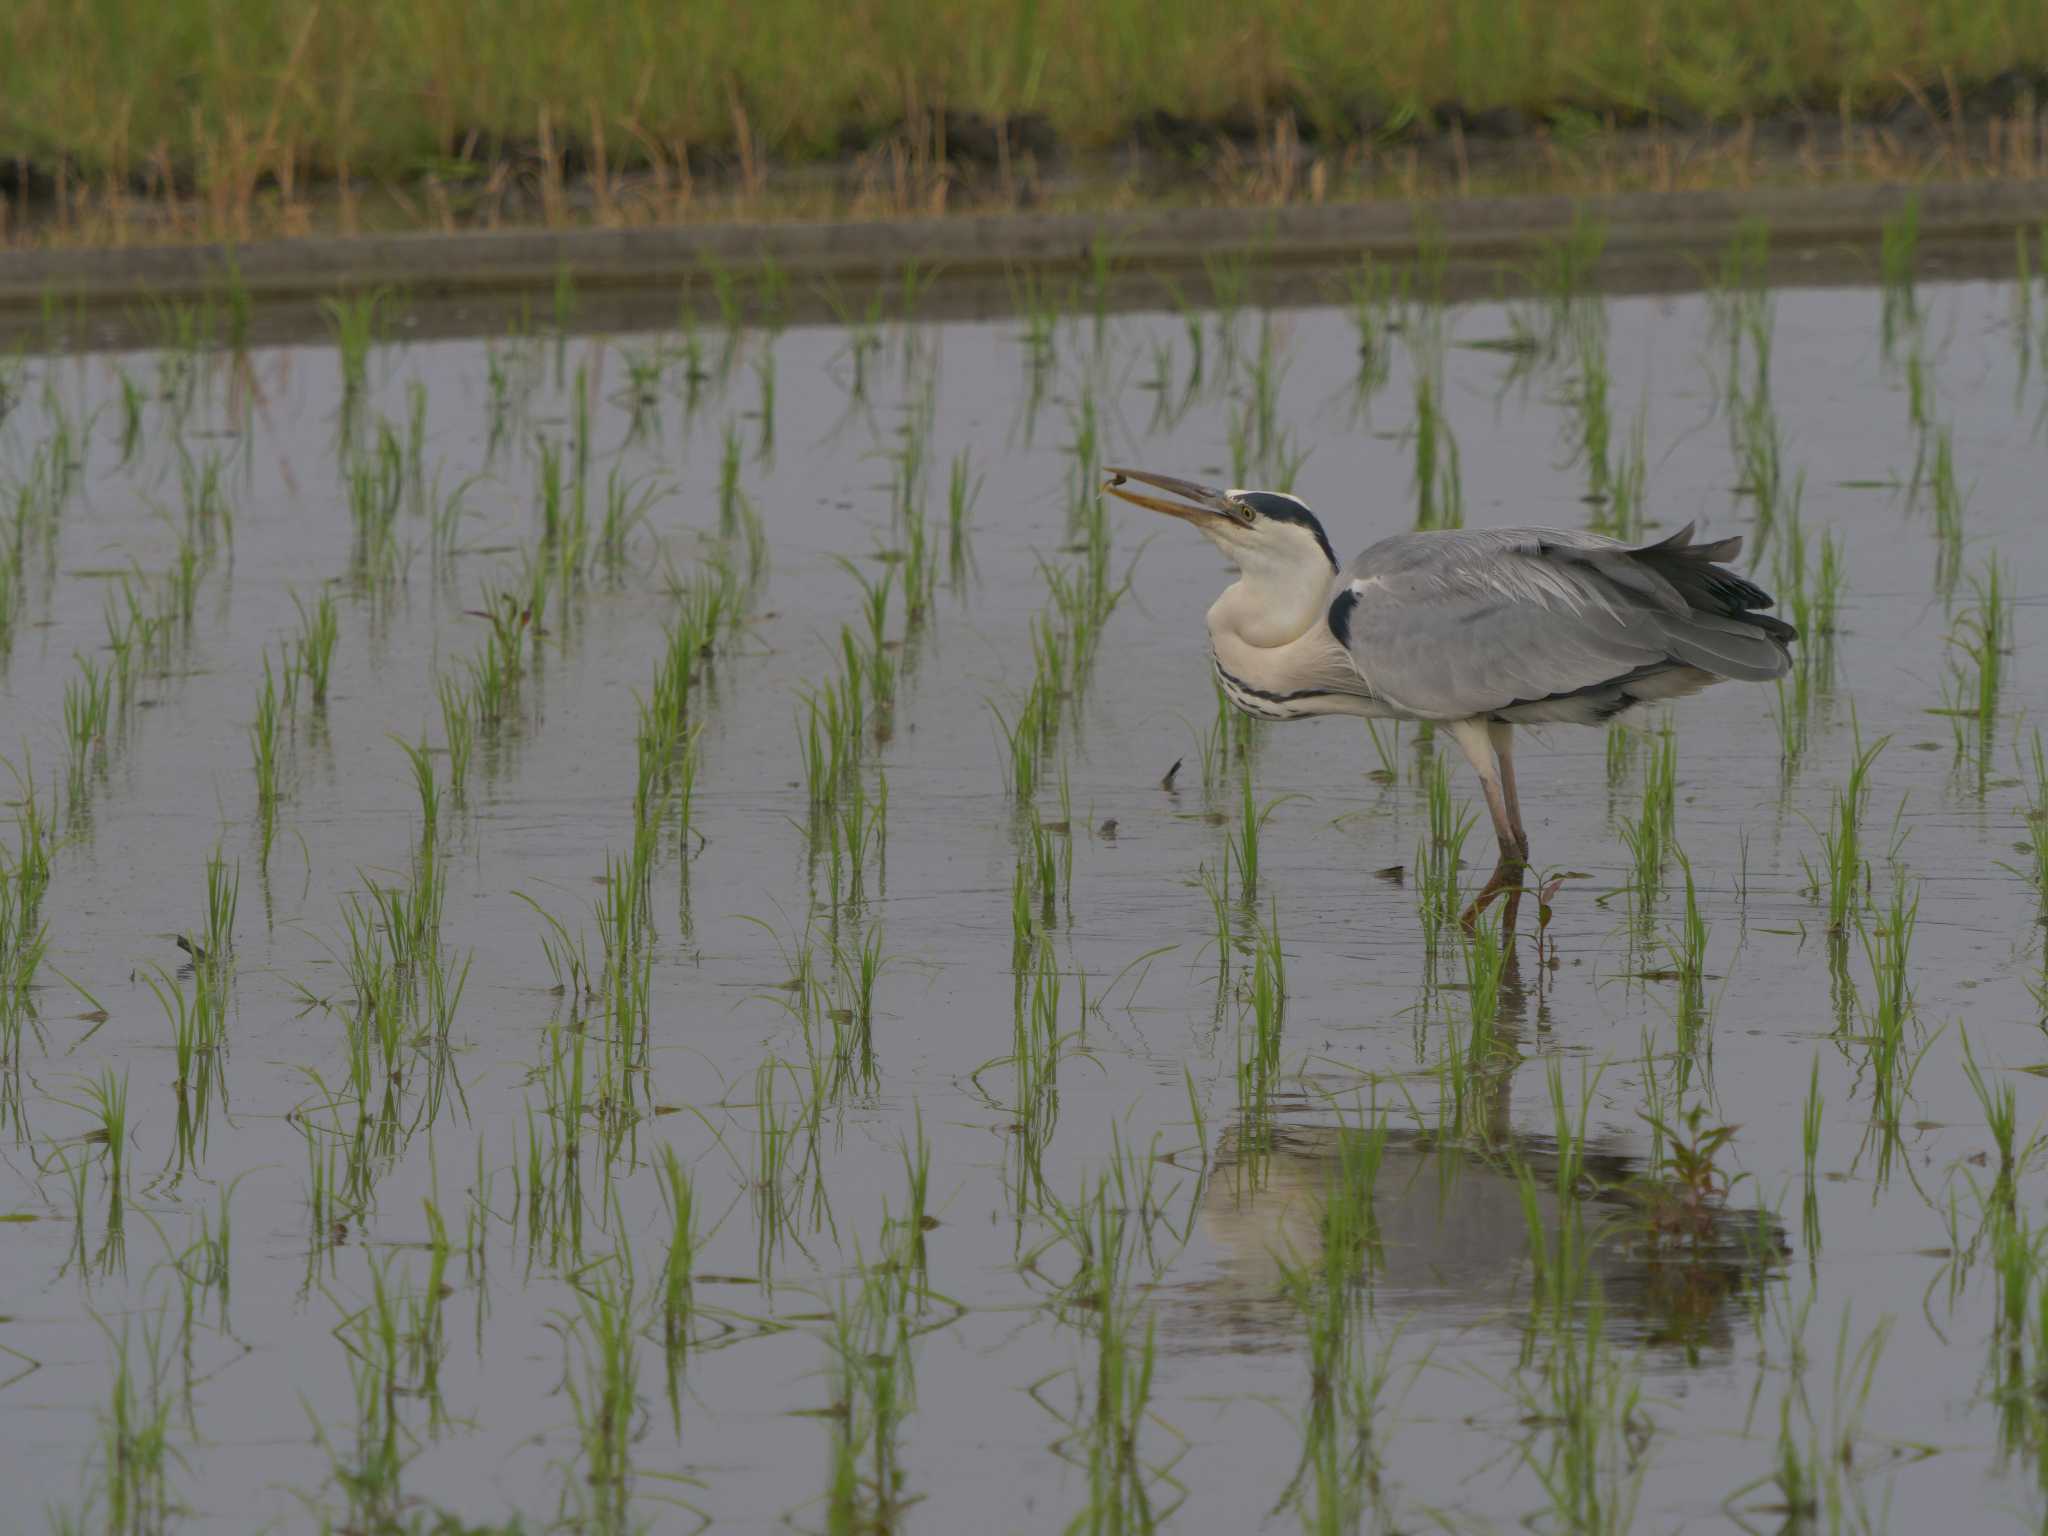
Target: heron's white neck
column 1275, row 650
column 1272, row 602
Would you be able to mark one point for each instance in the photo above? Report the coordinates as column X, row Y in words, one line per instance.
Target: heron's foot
column 1506, row 879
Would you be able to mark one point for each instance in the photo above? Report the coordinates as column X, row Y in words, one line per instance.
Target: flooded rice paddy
column 661, row 930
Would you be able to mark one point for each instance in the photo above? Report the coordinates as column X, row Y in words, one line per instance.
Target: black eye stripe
column 1282, row 508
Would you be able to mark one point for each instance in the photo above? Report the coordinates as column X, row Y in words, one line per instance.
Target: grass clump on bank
column 231, row 94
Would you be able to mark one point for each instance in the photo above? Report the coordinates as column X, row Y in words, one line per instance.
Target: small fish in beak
column 1198, row 505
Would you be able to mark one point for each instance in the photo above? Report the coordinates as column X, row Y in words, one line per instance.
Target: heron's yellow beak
column 1199, row 504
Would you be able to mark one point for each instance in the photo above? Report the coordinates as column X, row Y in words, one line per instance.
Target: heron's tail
column 1712, row 616
column 1723, row 629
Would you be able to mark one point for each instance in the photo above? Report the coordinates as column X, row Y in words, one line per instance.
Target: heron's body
column 1511, row 625
column 1478, row 630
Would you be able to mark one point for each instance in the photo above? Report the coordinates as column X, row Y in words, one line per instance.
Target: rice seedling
column 263, row 754
column 1262, row 399
column 375, row 485
column 1565, row 268
column 963, row 489
column 2000, row 1102
column 1112, row 1406
column 1244, row 840
column 1898, row 258
column 182, row 584
column 88, row 701
column 1441, row 851
column 130, row 418
column 874, row 1391
column 1439, row 494
column 134, row 637
column 183, row 334
column 1385, row 750
column 204, row 497
column 1978, row 643
column 729, row 492
column 493, row 686
column 1558, row 1259
column 1688, row 946
column 420, row 759
column 1950, row 501
column 223, row 900
column 2034, row 821
column 24, row 940
column 547, row 489
column 1229, row 290
column 1742, row 306
column 319, row 628
column 604, row 1393
column 1039, row 338
column 829, row 740
column 105, row 1101
column 912, row 285
column 370, row 1471
column 1258, row 1049
column 1760, row 453
column 863, row 331
column 1084, row 456
column 1843, row 877
column 627, row 503
column 10, row 599
column 1470, row 1059
column 1621, row 514
column 190, row 1034
column 764, row 377
column 1809, row 590
column 1652, row 833
column 678, row 1270
column 1592, row 420
column 134, row 1432
column 1037, row 1047
column 1595, row 1444
column 920, row 567
column 861, row 967
column 775, row 1136
column 1812, row 1481
column 458, row 731
column 1809, row 1144
column 28, row 871
column 1342, row 1471
column 1892, row 1062
column 771, row 293
column 1374, row 294
column 2019, row 1333
column 354, row 324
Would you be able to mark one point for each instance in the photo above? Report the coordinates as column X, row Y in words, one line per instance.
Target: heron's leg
column 1502, row 736
column 1476, row 739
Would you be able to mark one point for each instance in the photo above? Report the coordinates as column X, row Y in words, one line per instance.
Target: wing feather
column 1455, row 624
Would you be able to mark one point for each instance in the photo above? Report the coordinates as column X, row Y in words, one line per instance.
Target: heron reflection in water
column 1454, row 1219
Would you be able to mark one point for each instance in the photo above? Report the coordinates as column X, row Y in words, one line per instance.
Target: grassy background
column 389, row 86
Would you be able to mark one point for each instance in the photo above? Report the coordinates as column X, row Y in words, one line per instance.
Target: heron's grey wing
column 1454, row 624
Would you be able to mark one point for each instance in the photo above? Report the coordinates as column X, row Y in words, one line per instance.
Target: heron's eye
column 1243, row 513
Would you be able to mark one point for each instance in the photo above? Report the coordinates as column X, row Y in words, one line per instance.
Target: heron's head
column 1266, row 534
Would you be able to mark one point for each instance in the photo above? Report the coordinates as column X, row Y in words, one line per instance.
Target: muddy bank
column 954, row 267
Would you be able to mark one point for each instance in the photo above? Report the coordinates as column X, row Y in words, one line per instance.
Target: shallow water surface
column 1043, row 1167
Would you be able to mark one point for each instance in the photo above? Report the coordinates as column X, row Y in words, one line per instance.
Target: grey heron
column 1477, row 630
